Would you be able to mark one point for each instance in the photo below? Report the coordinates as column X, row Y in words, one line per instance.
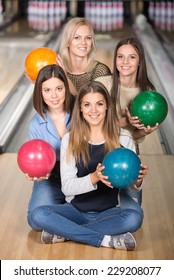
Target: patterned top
column 80, row 80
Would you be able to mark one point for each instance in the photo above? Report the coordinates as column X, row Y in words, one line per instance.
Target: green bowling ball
column 150, row 107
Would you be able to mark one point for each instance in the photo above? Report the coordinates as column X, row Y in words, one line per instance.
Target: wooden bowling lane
column 160, row 70
column 15, row 44
column 155, row 239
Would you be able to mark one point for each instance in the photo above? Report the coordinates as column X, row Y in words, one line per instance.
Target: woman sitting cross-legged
column 95, row 213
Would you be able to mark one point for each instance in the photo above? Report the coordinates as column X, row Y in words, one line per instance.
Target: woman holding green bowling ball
column 128, row 80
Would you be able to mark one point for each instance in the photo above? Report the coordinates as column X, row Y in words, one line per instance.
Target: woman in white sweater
column 95, row 213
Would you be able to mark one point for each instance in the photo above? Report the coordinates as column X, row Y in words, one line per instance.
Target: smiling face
column 127, row 61
column 93, row 108
column 81, row 42
column 53, row 92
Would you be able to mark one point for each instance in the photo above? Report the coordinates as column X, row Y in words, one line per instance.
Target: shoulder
column 36, row 123
column 36, row 119
column 106, row 81
column 103, row 68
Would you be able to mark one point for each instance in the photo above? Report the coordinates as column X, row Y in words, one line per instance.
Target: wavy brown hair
column 80, row 129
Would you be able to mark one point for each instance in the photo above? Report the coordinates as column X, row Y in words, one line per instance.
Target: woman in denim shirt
column 53, row 102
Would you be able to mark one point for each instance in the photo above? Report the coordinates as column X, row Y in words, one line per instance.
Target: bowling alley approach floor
column 154, row 240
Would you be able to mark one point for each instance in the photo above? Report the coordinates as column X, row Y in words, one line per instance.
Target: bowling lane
column 161, row 70
column 161, row 14
column 16, row 41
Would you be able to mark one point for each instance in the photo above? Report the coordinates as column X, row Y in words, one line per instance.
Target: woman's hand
column 144, row 131
column 98, row 176
column 143, row 172
column 149, row 129
column 133, row 120
column 38, row 179
column 60, row 62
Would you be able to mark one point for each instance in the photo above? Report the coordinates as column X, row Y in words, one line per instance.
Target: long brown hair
column 80, row 130
column 142, row 77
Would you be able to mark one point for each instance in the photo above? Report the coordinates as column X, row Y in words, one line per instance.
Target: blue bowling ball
column 122, row 167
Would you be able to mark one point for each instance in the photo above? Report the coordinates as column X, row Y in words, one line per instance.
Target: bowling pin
column 169, row 16
column 163, row 16
column 120, row 14
column 151, row 10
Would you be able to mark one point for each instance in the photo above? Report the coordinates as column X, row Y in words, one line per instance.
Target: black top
column 103, row 197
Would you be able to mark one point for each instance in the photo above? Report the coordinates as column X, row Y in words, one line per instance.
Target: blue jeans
column 91, row 227
column 46, row 192
column 137, row 195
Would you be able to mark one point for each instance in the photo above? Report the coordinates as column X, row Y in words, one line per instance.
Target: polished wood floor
column 156, row 237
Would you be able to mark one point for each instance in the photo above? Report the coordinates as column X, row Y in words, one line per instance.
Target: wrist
column 94, row 178
column 138, row 184
column 123, row 122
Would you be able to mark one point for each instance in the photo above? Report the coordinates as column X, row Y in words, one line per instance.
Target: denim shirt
column 45, row 129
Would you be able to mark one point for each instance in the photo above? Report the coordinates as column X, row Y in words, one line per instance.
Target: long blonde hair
column 67, row 36
column 80, row 130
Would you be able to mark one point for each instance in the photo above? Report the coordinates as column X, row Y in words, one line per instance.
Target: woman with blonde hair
column 77, row 54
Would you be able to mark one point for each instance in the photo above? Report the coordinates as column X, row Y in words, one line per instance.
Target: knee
column 32, row 224
column 136, row 220
column 36, row 218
